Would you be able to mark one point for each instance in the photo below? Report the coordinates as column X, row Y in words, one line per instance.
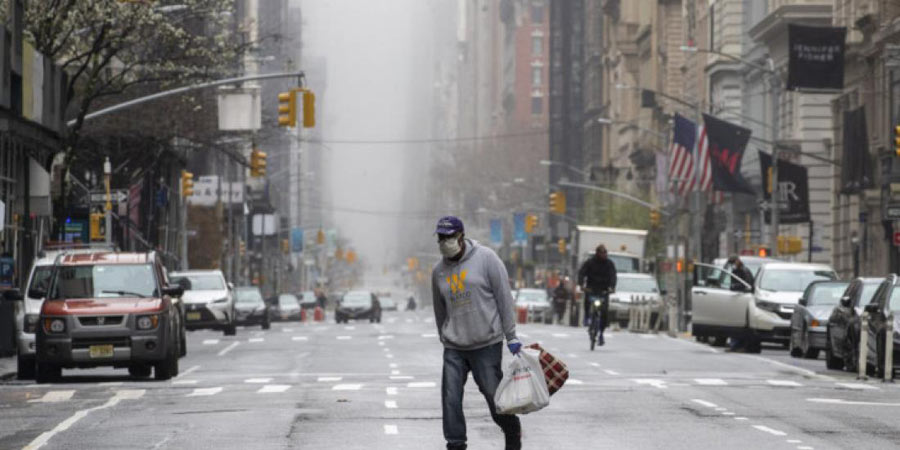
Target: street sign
column 893, row 212
column 897, row 238
column 118, row 196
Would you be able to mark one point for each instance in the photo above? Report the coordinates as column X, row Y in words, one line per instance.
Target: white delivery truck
column 625, row 246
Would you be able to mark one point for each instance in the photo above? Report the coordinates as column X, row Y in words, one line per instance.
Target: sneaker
column 456, row 446
column 513, row 442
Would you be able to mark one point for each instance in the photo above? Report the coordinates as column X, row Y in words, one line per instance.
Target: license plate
column 101, row 351
column 193, row 316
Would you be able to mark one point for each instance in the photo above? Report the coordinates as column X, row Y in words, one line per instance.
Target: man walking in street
column 597, row 277
column 738, row 344
column 473, row 311
column 561, row 296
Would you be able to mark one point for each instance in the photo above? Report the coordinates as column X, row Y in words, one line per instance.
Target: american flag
column 682, row 175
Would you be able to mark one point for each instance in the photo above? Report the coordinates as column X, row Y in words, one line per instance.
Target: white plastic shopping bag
column 522, row 389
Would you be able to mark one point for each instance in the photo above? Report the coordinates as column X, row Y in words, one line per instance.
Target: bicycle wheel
column 592, row 331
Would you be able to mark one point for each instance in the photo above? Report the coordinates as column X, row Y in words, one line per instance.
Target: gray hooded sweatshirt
column 473, row 305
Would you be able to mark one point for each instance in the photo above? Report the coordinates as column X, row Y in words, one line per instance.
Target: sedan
column 286, row 307
column 884, row 311
column 842, row 329
column 811, row 316
column 250, row 307
column 538, row 304
column 358, row 305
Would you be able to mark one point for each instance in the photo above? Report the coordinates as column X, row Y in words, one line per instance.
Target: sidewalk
column 7, row 367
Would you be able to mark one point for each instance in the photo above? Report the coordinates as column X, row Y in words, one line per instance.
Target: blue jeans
column 484, row 364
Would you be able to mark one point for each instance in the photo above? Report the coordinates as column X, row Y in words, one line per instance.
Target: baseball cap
column 449, row 225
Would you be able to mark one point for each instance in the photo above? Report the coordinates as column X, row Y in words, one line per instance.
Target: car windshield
column 199, row 282
column 356, row 299
column 792, row 280
column 248, row 295
column 826, row 294
column 287, row 300
column 532, row 297
column 105, row 280
column 646, row 285
column 40, row 279
column 624, row 264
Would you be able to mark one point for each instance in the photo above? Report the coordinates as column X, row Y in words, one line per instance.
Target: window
column 537, row 105
column 536, row 73
column 537, row 13
column 537, row 45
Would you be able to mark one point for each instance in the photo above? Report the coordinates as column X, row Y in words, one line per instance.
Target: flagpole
column 775, row 206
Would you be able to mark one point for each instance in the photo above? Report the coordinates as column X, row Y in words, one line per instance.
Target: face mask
column 450, row 247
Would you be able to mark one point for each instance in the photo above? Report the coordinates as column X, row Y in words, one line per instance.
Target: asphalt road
column 376, row 386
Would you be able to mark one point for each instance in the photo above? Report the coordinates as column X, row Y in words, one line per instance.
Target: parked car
column 387, row 301
column 842, row 328
column 810, row 318
column 250, row 307
column 208, row 300
column 537, row 302
column 884, row 307
column 109, row 309
column 286, row 307
column 308, row 300
column 358, row 305
column 756, row 313
column 631, row 286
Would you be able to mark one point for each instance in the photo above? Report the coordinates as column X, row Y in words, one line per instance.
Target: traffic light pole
column 183, row 227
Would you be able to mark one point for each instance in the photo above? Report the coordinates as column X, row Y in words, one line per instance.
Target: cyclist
column 597, row 277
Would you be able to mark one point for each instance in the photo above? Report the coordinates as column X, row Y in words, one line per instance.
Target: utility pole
column 107, row 174
column 182, row 226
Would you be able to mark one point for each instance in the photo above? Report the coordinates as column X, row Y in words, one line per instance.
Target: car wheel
column 46, row 373
column 139, row 371
column 719, row 341
column 754, row 345
column 793, row 348
column 25, row 367
column 167, row 368
column 808, row 353
column 832, row 362
column 701, row 339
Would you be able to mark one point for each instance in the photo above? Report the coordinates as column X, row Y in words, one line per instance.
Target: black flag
column 726, row 150
column 856, row 170
column 816, row 57
column 793, row 189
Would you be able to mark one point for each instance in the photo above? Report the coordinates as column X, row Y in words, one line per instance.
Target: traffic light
column 287, row 109
column 531, row 222
column 187, row 184
column 654, row 218
column 285, row 246
column 763, row 252
column 897, row 141
column 350, row 256
column 98, row 231
column 242, row 248
column 320, row 237
column 558, row 202
column 561, row 246
column 309, row 109
column 257, row 163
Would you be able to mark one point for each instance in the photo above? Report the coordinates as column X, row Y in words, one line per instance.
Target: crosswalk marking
column 421, row 384
column 395, row 372
column 391, row 391
column 346, row 387
column 299, row 338
column 784, row 383
column 573, row 381
column 256, row 340
column 350, row 327
column 210, row 341
column 327, row 379
column 54, row 397
column 344, row 338
column 402, row 377
column 385, row 336
column 391, row 429
column 185, row 382
column 659, row 384
column 711, row 381
column 390, row 404
column 203, row 392
column 560, row 335
column 273, row 389
column 258, row 380
column 611, row 372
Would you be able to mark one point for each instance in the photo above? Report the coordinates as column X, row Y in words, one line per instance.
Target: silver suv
column 208, row 300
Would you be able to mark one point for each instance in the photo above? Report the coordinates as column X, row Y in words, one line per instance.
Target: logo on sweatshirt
column 457, row 282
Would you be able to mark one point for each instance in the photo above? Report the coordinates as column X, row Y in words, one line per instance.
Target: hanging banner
column 816, row 57
column 856, row 169
column 496, row 232
column 726, row 143
column 521, row 237
column 793, row 189
column 297, row 240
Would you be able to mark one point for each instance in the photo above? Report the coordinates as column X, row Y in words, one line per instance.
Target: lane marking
column 389, row 356
column 326, row 379
column 858, row 386
column 595, row 364
column 350, row 328
column 404, row 377
column 794, row 441
column 804, row 447
column 287, row 330
column 204, row 392
column 771, row 431
column 185, row 382
column 256, row 340
column 391, row 391
column 390, row 404
column 805, row 372
column 648, row 336
column 784, row 383
column 299, row 338
column 54, row 397
column 421, row 384
column 392, row 365
column 391, row 429
column 189, row 371
column 572, row 355
column 386, row 349
column 573, row 381
column 610, row 372
column 346, row 387
column 705, row 403
column 711, row 381
column 43, row 438
column 659, row 384
column 210, row 341
column 344, row 338
column 727, row 413
column 741, row 418
column 395, row 372
column 258, row 380
column 385, row 336
column 720, row 409
column 837, row 401
column 273, row 389
column 429, row 335
column 229, row 348
column 381, row 343
column 560, row 335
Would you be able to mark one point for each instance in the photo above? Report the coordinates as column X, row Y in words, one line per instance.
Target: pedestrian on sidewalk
column 473, row 311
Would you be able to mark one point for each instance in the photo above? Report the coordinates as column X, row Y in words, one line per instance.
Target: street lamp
column 107, row 174
column 583, row 173
column 608, row 121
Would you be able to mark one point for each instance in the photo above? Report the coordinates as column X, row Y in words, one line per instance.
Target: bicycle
column 596, row 319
